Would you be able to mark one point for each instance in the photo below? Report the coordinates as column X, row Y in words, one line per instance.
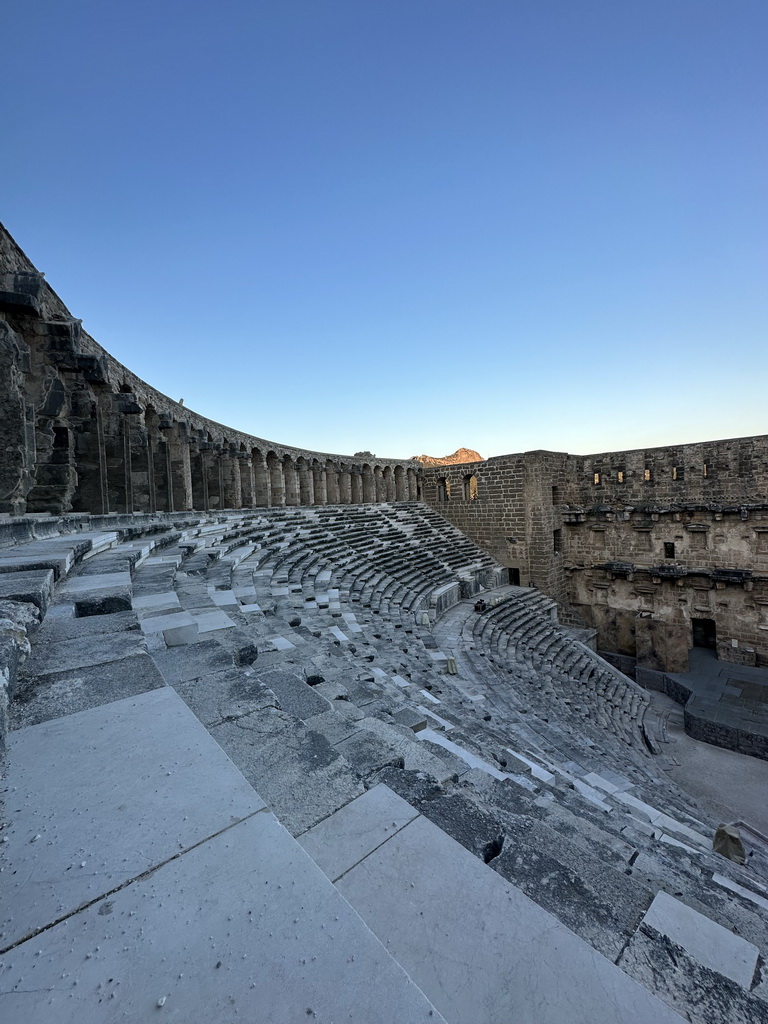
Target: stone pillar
column 247, row 481
column 127, row 466
column 16, row 478
column 229, row 470
column 400, row 484
column 319, row 484
column 331, row 484
column 345, row 487
column 277, row 480
column 379, row 488
column 356, row 481
column 168, row 474
column 306, row 483
column 413, row 491
column 389, row 484
column 369, row 493
column 291, row 482
column 180, row 477
column 262, row 483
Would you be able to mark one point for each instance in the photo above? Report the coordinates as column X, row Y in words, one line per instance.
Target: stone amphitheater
column 284, row 743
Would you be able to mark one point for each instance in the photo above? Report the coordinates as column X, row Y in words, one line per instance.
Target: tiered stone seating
column 324, row 651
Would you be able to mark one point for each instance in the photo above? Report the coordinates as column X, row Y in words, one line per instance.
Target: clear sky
column 407, row 225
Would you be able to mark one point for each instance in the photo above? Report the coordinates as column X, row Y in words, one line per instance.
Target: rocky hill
column 459, row 456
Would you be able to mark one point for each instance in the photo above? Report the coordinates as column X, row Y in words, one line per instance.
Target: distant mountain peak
column 459, row 456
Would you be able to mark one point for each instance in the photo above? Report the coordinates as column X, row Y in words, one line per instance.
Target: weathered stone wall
column 513, row 515
column 646, row 546
column 80, row 432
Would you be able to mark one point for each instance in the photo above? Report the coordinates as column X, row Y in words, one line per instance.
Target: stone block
column 480, row 949
column 346, row 837
column 99, row 594
column 705, row 940
column 33, row 586
column 176, row 628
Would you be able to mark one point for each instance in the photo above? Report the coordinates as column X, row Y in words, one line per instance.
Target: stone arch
column 469, row 487
column 413, row 490
column 389, row 483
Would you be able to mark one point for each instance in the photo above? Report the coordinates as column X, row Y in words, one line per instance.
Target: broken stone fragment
column 728, row 842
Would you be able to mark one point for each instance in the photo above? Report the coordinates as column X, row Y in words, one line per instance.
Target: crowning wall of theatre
column 655, row 549
column 80, row 432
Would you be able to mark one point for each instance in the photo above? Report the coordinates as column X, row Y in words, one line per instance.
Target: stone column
column 331, row 484
column 319, row 484
column 400, row 484
column 356, row 481
column 247, row 481
column 277, row 480
column 345, row 487
column 306, row 483
column 262, row 482
column 291, row 482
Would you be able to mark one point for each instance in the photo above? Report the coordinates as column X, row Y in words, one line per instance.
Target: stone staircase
column 335, row 657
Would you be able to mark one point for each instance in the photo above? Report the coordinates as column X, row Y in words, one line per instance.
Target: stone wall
column 648, row 547
column 80, row 432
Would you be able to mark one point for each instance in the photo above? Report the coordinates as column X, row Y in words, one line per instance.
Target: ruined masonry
column 290, row 736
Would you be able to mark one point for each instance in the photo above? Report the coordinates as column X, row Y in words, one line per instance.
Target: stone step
column 476, row 946
column 144, row 875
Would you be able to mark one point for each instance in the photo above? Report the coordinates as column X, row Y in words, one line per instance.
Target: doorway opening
column 704, row 633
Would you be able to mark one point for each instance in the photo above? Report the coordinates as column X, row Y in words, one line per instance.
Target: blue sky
column 407, row 225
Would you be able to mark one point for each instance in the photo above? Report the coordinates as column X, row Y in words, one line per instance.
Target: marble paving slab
column 707, row 941
column 244, row 927
column 343, row 840
column 98, row 797
column 481, row 950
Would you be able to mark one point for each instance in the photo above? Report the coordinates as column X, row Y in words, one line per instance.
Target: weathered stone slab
column 205, row 657
column 55, row 658
column 480, row 949
column 176, row 628
column 102, row 796
column 346, row 837
column 207, row 621
column 377, row 744
column 243, row 927
column 296, row 770
column 153, row 603
column 34, row 586
column 705, row 940
column 64, row 626
column 99, row 594
column 224, row 696
column 293, row 693
column 64, row 693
